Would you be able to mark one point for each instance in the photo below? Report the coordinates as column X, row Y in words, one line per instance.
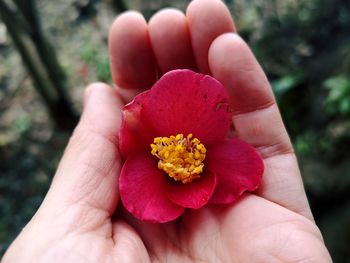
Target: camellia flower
column 174, row 140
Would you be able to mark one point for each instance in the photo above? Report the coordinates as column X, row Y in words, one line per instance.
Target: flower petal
column 192, row 195
column 183, row 101
column 142, row 190
column 238, row 167
column 135, row 135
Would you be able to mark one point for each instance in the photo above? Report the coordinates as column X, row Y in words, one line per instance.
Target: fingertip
column 170, row 40
column 227, row 38
column 128, row 18
column 204, row 5
column 227, row 43
column 96, row 87
column 160, row 16
column 102, row 106
column 131, row 55
column 207, row 20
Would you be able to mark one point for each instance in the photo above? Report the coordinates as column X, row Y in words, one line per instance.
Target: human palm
column 79, row 220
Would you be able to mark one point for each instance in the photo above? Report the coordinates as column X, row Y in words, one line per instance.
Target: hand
column 75, row 223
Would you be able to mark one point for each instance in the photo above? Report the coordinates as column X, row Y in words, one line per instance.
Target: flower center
column 180, row 157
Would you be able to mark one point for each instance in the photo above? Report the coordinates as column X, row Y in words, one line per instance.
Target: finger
column 170, row 40
column 256, row 116
column 257, row 120
column 207, row 19
column 131, row 56
column 87, row 176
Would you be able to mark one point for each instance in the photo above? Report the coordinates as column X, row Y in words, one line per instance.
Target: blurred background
column 50, row 50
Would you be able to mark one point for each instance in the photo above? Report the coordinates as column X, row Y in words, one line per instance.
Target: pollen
column 179, row 156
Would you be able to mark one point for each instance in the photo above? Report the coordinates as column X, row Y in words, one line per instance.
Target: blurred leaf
column 88, row 54
column 312, row 143
column 103, row 70
column 304, row 143
column 98, row 62
column 338, row 99
column 286, row 83
column 22, row 124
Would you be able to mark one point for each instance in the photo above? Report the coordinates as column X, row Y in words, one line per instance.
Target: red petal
column 183, row 101
column 238, row 168
column 135, row 135
column 195, row 194
column 142, row 190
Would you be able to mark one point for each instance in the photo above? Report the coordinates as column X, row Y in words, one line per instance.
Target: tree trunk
column 47, row 55
column 55, row 98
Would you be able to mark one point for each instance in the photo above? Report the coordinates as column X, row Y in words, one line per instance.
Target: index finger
column 257, row 120
column 132, row 61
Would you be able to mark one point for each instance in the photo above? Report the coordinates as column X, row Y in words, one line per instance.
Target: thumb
column 87, row 176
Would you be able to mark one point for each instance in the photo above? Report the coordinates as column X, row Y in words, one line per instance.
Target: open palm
column 78, row 221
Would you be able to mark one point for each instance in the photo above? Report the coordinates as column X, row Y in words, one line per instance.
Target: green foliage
column 98, row 61
column 103, row 69
column 22, row 125
column 88, row 54
column 286, row 83
column 338, row 99
column 311, row 143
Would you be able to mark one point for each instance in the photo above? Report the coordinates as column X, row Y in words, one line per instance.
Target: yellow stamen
column 180, row 157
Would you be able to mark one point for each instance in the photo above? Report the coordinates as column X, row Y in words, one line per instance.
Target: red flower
column 177, row 152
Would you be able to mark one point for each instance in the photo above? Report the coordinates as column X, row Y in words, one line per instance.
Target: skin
column 78, row 221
